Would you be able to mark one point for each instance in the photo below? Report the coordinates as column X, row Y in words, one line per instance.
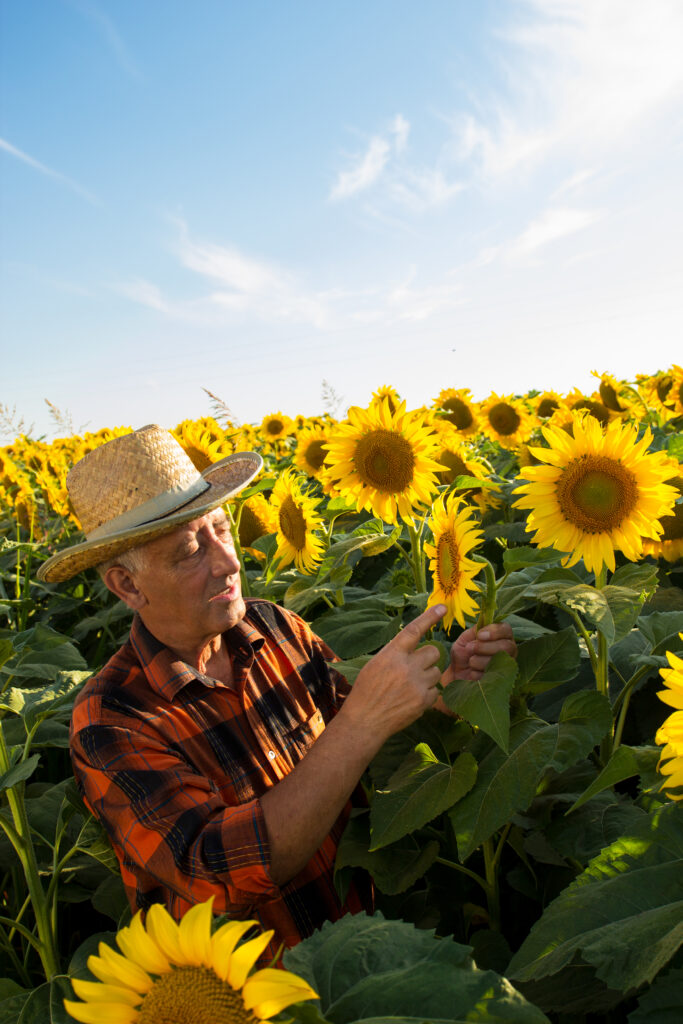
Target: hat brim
column 225, row 478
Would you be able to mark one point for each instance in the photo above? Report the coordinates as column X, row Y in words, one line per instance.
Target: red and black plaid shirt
column 173, row 763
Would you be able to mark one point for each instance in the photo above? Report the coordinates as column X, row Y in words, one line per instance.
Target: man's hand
column 472, row 651
column 399, row 682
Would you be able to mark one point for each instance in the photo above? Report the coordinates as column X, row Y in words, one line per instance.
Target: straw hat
column 137, row 487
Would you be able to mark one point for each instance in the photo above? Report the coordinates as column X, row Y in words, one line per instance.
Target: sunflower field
column 526, row 846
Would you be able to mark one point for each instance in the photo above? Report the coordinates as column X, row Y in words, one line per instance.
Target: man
column 218, row 746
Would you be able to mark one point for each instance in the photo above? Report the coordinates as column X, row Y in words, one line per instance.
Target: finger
column 427, row 655
column 495, row 631
column 410, row 635
column 493, row 647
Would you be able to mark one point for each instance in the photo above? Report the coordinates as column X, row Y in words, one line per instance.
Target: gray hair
column 134, row 560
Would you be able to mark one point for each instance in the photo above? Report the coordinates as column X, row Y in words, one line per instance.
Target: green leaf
column 42, row 1005
column 638, row 576
column 34, row 705
column 674, row 446
column 625, row 605
column 526, row 629
column 45, row 662
column 591, row 828
column 417, row 792
column 662, row 1003
column 624, row 763
column 506, row 785
column 589, row 603
column 353, row 632
column 19, row 773
column 351, row 667
column 661, row 629
column 485, row 702
column 394, row 868
column 368, row 969
column 9, row 988
column 520, row 558
column 548, row 660
column 623, row 915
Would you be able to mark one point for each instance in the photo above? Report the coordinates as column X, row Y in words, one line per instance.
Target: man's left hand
column 473, row 650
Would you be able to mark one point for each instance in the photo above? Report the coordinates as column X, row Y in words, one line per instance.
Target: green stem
column 602, row 673
column 47, row 946
column 491, row 858
column 581, row 629
column 235, row 529
column 487, row 610
column 464, row 871
column 417, row 561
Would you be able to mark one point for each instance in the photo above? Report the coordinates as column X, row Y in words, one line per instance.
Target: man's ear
column 123, row 585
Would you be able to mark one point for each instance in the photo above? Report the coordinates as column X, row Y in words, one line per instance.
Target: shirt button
column 271, row 755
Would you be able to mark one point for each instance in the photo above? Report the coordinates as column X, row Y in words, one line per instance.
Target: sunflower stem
column 235, row 529
column 487, row 610
column 417, row 559
column 464, row 871
column 491, row 858
column 602, row 673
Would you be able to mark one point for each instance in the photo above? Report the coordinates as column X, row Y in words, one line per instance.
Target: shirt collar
column 167, row 675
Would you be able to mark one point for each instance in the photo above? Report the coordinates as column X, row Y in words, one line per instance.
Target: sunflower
column 182, row 974
column 610, row 396
column 296, row 522
column 458, row 408
column 276, row 426
column 596, row 492
column 391, row 395
column 670, row 544
column 593, row 405
column 201, row 444
column 310, row 451
column 455, row 533
column 257, row 518
column 671, row 731
column 547, row 404
column 506, row 420
column 383, row 461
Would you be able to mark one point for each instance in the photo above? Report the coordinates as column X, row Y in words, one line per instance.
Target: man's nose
column 224, row 558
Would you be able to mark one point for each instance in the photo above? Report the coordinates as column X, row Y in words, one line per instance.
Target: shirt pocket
column 303, row 735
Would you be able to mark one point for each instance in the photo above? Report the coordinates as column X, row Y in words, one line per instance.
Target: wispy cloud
column 110, row 34
column 552, row 225
column 19, row 154
column 369, row 166
column 144, row 293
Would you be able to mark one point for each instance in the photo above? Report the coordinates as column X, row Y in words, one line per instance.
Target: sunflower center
column 547, row 407
column 251, row 526
column 447, row 563
column 610, row 397
column 456, row 466
column 680, row 394
column 460, row 414
column 274, row 427
column 384, row 460
column 673, row 524
column 596, row 493
column 596, row 409
column 664, row 385
column 200, row 460
column 293, row 523
column 503, row 418
column 315, row 454
column 193, row 995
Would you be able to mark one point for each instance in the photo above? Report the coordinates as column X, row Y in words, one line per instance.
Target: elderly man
column 218, row 746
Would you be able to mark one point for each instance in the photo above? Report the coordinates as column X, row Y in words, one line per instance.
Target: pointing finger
column 410, row 635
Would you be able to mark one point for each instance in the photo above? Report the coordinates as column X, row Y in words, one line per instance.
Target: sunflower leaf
column 520, row 558
column 485, row 702
column 623, row 915
column 546, row 661
column 352, row 632
column 419, row 790
column 661, row 1004
column 395, row 867
column 624, row 763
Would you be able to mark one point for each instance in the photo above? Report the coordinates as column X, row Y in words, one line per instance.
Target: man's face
column 191, row 583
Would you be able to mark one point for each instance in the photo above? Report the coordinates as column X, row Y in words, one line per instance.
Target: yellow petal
column 244, row 958
column 195, row 934
column 101, row 1013
column 165, row 932
column 96, row 992
column 224, row 942
column 270, row 990
column 138, row 946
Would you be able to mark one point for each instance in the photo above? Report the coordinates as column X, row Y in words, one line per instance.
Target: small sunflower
column 670, row 545
column 670, row 733
column 506, row 420
column 547, row 404
column 276, row 426
column 660, row 391
column 383, row 461
column 593, row 405
column 201, row 444
column 310, row 450
column 297, row 522
column 610, row 393
column 390, row 393
column 182, row 974
column 257, row 518
column 455, row 534
column 596, row 492
column 458, row 408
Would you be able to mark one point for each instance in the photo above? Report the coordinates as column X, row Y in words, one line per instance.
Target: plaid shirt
column 173, row 764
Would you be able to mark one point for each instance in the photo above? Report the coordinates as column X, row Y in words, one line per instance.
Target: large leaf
column 36, row 704
column 42, row 1005
column 625, row 605
column 417, row 792
column 19, row 772
column 506, row 785
column 593, row 827
column 589, row 603
column 624, row 763
column 368, row 969
column 663, row 1002
column 662, row 629
column 520, row 558
column 444, row 735
column 394, row 868
column 352, row 632
column 548, row 660
column 623, row 915
column 485, row 702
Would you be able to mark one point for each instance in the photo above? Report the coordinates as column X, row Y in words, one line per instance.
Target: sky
column 256, row 197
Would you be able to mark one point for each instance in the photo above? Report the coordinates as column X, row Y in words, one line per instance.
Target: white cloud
column 144, row 293
column 48, row 171
column 552, row 225
column 366, row 172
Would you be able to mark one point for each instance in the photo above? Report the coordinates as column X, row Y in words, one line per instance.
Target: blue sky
column 254, row 197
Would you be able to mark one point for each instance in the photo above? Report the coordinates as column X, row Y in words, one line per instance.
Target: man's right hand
column 399, row 683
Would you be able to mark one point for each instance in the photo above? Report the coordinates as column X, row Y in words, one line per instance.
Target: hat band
column 150, row 510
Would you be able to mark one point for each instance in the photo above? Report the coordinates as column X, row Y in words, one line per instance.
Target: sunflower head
column 276, row 426
column 168, row 973
column 670, row 733
column 310, row 450
column 506, row 420
column 458, row 409
column 383, row 461
column 670, row 545
column 297, row 523
column 388, row 393
column 455, row 534
column 596, row 492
